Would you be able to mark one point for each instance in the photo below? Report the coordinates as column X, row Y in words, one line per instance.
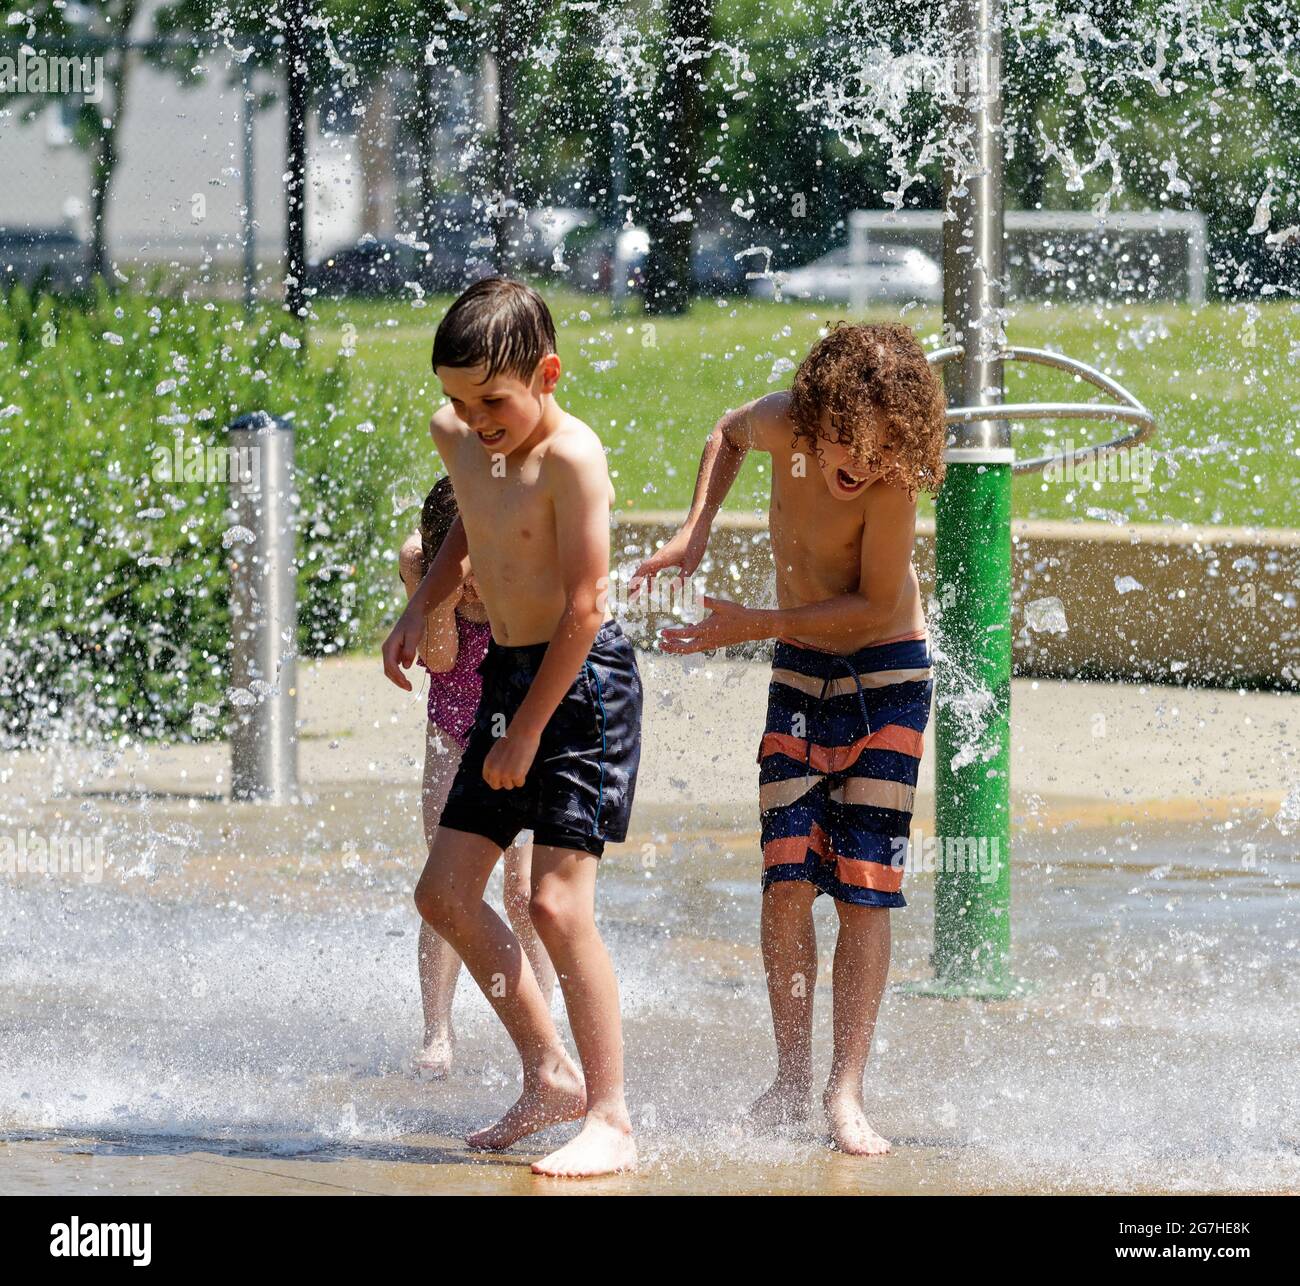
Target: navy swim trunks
column 578, row 793
column 838, row 766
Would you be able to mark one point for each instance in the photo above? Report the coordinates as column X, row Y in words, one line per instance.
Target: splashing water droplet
column 1046, row 616
column 1287, row 818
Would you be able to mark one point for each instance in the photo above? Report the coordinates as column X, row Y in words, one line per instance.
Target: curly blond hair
column 853, row 371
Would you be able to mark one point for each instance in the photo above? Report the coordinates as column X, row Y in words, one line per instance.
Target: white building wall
column 178, row 144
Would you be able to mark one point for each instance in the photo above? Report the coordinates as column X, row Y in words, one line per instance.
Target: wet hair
column 436, row 518
column 853, row 371
column 498, row 323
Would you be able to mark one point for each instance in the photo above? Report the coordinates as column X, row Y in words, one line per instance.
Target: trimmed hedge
column 113, row 585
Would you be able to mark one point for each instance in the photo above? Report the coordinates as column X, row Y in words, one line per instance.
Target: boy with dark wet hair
column 555, row 743
column 858, row 435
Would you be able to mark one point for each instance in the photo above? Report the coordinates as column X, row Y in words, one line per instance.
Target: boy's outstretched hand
column 727, row 623
column 683, row 551
column 400, row 648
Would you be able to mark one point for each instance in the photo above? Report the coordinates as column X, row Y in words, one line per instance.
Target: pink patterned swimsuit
column 454, row 694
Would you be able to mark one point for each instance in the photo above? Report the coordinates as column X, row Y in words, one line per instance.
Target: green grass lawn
column 1223, row 389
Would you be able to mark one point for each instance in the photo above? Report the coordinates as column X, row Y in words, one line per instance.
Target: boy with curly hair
column 863, row 430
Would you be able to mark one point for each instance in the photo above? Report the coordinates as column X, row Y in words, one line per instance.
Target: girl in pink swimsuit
column 454, row 643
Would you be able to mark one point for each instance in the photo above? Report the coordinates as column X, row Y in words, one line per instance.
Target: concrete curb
column 1212, row 605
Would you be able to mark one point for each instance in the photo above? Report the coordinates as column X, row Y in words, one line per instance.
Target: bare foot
column 434, row 1061
column 555, row 1094
column 780, row 1106
column 851, row 1132
column 602, row 1147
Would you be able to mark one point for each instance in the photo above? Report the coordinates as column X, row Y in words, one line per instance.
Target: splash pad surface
column 232, row 1006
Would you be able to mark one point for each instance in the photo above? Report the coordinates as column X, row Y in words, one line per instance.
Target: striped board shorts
column 838, row 765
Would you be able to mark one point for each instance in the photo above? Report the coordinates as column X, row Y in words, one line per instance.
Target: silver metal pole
column 618, row 185
column 973, row 247
column 859, row 240
column 263, row 610
column 1196, row 262
column 246, row 218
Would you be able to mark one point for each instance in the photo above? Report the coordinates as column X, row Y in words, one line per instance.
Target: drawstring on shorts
column 862, row 703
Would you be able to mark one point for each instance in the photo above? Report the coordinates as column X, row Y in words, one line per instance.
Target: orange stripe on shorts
column 828, row 759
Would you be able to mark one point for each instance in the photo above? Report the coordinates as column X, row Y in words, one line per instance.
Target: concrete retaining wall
column 1213, row 605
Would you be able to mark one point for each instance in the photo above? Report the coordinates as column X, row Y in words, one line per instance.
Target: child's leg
column 563, row 908
column 790, row 962
column 860, row 970
column 450, row 898
column 517, row 894
column 439, row 964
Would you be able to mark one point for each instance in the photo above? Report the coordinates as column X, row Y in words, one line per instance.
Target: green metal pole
column 972, row 914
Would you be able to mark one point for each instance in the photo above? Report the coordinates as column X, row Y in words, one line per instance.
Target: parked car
column 387, row 265
column 547, row 229
column 716, row 269
column 53, row 258
column 597, row 256
column 459, row 252
column 888, row 274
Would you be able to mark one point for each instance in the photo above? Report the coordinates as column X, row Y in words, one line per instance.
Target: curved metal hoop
column 1126, row 407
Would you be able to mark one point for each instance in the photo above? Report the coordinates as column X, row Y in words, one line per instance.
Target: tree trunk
column 296, row 97
column 375, row 147
column 507, row 218
column 516, row 23
column 427, row 134
column 671, row 208
column 106, row 155
column 103, row 165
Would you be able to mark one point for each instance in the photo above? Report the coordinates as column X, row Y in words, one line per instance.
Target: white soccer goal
column 1144, row 255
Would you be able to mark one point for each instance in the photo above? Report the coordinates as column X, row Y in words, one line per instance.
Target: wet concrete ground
column 233, row 1006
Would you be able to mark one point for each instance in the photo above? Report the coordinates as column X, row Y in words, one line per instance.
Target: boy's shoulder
column 888, row 505
column 446, row 423
column 763, row 424
column 574, row 445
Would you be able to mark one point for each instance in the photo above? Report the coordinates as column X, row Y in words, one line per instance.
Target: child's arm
column 441, row 637
column 441, row 642
column 441, row 583
column 579, row 485
column 886, row 558
column 753, row 425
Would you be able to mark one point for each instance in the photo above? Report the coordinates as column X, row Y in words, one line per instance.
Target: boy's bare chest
column 810, row 528
column 505, row 504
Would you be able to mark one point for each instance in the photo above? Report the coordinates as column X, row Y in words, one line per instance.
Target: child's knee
column 427, row 902
column 438, row 906
column 789, row 897
column 862, row 919
column 555, row 912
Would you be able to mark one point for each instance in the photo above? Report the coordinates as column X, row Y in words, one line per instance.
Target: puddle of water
column 250, row 992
